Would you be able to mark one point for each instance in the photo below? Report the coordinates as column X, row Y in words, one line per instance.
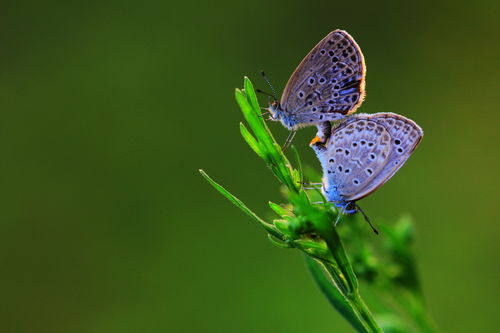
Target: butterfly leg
column 288, row 140
column 338, row 218
column 312, row 186
column 265, row 113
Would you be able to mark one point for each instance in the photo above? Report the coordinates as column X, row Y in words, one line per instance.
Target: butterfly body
column 328, row 85
column 362, row 153
column 294, row 120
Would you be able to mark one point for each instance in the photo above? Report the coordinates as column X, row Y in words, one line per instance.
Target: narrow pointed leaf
column 251, row 141
column 280, row 210
column 278, row 243
column 300, row 179
column 251, row 96
column 238, row 203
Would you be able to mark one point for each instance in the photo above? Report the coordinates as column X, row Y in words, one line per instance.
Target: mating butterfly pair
column 362, row 151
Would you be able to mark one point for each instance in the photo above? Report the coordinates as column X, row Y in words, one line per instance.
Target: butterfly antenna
column 366, row 218
column 264, row 93
column 270, row 85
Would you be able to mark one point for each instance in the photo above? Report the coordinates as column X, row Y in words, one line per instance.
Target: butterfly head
column 275, row 112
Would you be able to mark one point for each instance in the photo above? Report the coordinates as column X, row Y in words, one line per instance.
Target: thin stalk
column 332, row 239
column 353, row 299
column 324, row 280
column 364, row 311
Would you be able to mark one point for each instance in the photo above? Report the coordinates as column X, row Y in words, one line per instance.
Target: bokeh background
column 109, row 108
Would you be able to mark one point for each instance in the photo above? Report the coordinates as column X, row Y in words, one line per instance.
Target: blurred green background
column 109, row 108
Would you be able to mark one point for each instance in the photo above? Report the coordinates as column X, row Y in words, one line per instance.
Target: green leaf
column 251, row 141
column 278, row 243
column 283, row 212
column 314, row 248
column 275, row 158
column 238, row 203
column 251, row 95
column 300, row 174
column 252, row 116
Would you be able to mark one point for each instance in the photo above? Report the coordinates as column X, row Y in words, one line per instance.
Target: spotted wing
column 378, row 146
column 358, row 150
column 331, row 78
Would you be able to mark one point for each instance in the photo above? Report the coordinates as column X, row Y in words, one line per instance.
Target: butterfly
column 362, row 153
column 328, row 85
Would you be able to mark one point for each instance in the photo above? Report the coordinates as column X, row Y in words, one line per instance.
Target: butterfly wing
column 330, row 79
column 357, row 152
column 378, row 146
column 405, row 137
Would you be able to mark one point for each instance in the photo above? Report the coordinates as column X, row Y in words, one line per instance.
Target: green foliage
column 389, row 268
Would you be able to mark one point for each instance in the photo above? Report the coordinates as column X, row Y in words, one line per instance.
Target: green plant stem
column 333, row 294
column 332, row 239
column 364, row 311
column 351, row 290
column 350, row 305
